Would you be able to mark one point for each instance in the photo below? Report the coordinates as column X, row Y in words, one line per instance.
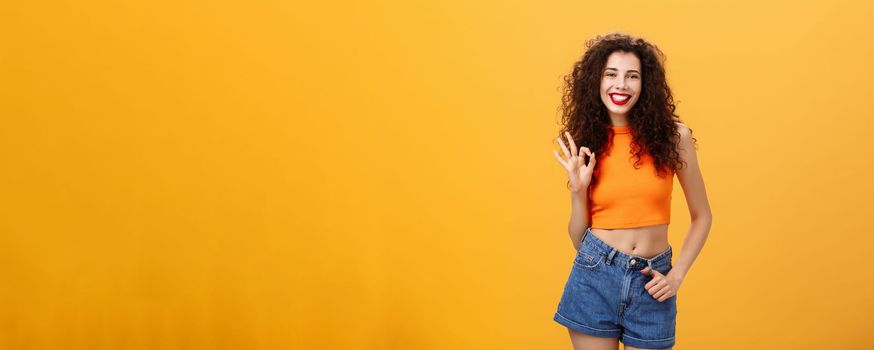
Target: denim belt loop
column 649, row 264
column 610, row 256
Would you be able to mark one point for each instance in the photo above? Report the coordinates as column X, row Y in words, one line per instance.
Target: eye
column 635, row 77
column 610, row 74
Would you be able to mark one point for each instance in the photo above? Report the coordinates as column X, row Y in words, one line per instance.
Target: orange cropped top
column 625, row 197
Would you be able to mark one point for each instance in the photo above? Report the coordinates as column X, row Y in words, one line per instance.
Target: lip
column 619, row 103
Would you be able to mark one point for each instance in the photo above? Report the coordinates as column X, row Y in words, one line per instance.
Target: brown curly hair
column 652, row 120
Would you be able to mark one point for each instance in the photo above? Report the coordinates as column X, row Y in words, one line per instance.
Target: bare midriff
column 645, row 241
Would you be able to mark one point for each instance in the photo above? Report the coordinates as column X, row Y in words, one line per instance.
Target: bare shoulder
column 685, row 143
column 686, row 146
column 685, row 132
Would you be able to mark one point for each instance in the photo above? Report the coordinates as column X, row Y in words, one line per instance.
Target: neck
column 618, row 120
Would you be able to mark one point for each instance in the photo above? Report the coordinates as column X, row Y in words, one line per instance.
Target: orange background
column 379, row 175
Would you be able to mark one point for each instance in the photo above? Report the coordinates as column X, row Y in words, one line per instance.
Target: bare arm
column 579, row 220
column 699, row 208
column 579, row 178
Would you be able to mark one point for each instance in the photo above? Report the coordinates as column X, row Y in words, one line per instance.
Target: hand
column 579, row 174
column 661, row 287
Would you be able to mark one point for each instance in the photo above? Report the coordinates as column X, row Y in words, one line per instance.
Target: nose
column 621, row 84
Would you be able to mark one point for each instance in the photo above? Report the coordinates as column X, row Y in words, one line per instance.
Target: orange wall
column 379, row 175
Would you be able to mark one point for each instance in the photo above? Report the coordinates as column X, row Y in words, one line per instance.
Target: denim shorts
column 605, row 296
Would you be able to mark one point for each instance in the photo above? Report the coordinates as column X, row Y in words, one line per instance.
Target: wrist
column 580, row 192
column 677, row 274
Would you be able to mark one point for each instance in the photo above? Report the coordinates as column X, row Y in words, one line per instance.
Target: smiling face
column 621, row 85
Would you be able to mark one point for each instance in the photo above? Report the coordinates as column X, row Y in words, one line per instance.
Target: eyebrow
column 631, row 70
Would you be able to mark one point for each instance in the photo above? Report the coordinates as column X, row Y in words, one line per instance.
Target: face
column 621, row 83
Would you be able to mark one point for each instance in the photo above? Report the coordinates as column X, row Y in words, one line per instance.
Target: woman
column 623, row 285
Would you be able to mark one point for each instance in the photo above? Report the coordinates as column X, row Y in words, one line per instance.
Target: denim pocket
column 588, row 258
column 665, row 268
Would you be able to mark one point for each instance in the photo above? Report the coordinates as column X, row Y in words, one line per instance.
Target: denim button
column 632, row 261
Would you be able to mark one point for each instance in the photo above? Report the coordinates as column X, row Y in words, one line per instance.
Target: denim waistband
column 612, row 255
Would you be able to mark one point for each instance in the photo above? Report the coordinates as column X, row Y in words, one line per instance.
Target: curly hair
column 652, row 120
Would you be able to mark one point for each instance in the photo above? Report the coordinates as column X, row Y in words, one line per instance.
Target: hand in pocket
column 661, row 287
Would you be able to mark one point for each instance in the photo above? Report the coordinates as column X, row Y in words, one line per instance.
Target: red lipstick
column 617, row 102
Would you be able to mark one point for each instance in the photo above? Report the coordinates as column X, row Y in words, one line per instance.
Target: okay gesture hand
column 579, row 173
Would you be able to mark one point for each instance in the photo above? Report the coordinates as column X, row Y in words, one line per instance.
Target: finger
column 567, row 154
column 661, row 292
column 656, row 287
column 667, row 294
column 592, row 160
column 651, row 283
column 665, row 297
column 559, row 159
column 585, row 149
column 571, row 140
column 646, row 271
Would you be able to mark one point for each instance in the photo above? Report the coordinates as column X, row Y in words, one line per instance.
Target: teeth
column 620, row 98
